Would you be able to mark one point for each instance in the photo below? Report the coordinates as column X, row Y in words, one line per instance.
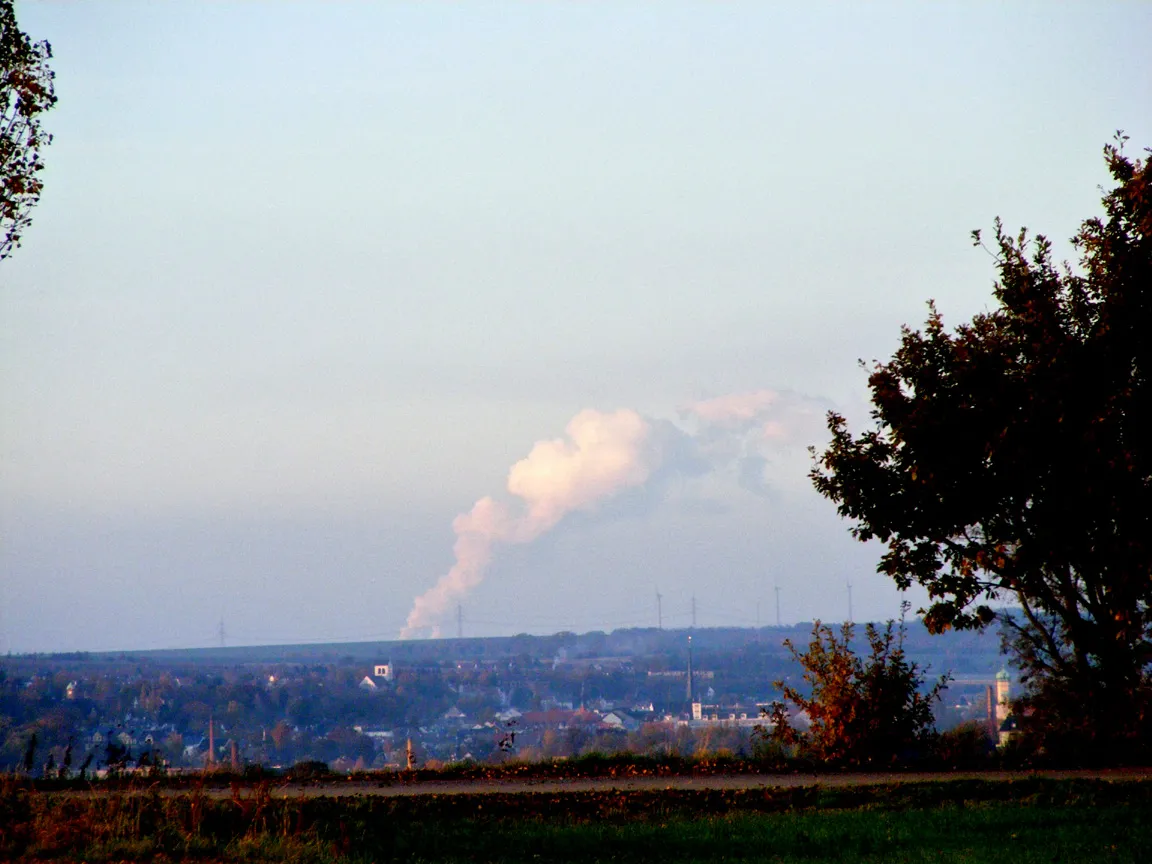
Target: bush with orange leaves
column 860, row 712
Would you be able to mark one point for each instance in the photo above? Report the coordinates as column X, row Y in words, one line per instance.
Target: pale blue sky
column 308, row 278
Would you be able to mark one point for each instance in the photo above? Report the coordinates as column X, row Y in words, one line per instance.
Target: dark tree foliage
column 1012, row 460
column 860, row 712
column 30, row 754
column 26, row 92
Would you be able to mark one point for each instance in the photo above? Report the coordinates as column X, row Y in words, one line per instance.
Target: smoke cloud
column 776, row 418
column 601, row 456
column 752, row 431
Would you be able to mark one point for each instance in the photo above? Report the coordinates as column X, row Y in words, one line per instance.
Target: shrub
column 965, row 747
column 308, row 770
column 860, row 712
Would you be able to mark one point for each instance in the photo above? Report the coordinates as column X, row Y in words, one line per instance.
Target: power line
column 532, row 622
column 726, row 614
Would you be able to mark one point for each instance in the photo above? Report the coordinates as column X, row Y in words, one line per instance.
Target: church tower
column 1003, row 708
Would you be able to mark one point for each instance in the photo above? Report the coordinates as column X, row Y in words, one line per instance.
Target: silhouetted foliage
column 26, row 91
column 116, row 755
column 965, row 747
column 30, row 754
column 66, row 762
column 859, row 712
column 309, row 769
column 1012, row 460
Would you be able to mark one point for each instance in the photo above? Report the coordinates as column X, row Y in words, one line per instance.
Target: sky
column 338, row 320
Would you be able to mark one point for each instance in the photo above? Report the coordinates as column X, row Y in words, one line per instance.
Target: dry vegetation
column 1029, row 820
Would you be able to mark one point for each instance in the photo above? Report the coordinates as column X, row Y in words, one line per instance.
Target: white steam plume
column 743, row 429
column 777, row 418
column 602, row 455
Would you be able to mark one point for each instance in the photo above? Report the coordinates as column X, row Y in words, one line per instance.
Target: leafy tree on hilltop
column 1011, row 460
column 26, row 91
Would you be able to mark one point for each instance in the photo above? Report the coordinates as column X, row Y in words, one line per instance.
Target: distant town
column 393, row 705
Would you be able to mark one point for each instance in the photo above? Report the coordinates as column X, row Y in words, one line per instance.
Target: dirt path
column 723, row 781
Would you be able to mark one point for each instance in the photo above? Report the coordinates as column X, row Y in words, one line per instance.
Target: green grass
column 1003, row 833
column 960, row 821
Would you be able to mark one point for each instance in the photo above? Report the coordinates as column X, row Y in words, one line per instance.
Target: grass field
column 961, row 821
